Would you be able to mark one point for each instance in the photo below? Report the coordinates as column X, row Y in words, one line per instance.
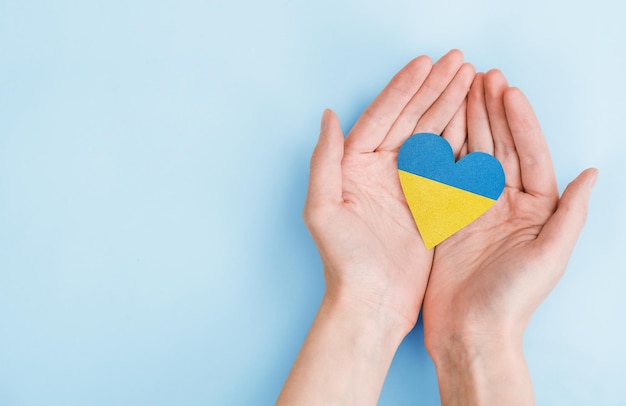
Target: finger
column 560, row 233
column 537, row 173
column 479, row 136
column 504, row 148
column 441, row 112
column 375, row 122
column 325, row 174
column 456, row 130
column 442, row 73
column 463, row 151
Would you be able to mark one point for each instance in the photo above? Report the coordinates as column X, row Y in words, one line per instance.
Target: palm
column 377, row 223
column 373, row 195
column 480, row 269
column 490, row 273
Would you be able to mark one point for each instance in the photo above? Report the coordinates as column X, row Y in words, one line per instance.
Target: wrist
column 378, row 325
column 460, row 353
column 490, row 370
column 370, row 312
column 345, row 357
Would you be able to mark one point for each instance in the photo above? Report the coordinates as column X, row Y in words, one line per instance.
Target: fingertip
column 562, row 229
column 418, row 67
column 478, row 81
column 333, row 121
column 469, row 67
column 513, row 94
column 596, row 174
column 324, row 122
column 454, row 57
column 494, row 73
column 467, row 72
column 330, row 131
column 578, row 191
column 329, row 118
column 421, row 61
column 519, row 111
column 325, row 164
column 593, row 171
column 495, row 81
column 456, row 53
column 591, row 177
column 476, row 91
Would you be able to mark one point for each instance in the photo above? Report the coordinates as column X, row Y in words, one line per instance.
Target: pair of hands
column 478, row 288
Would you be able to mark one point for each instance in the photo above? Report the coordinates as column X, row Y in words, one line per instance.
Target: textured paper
column 445, row 196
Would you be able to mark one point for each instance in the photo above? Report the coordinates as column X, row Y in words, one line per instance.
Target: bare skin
column 485, row 282
column 375, row 264
column 488, row 279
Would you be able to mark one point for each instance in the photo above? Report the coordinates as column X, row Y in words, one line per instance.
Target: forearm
column 345, row 357
column 493, row 374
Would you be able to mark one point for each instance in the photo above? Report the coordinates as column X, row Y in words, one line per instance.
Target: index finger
column 536, row 168
column 377, row 119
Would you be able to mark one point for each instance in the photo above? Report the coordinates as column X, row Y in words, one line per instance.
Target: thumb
column 562, row 229
column 325, row 175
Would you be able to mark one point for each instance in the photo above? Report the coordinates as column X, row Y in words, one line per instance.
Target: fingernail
column 324, row 120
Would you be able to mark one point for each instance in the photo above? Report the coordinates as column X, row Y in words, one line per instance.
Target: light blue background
column 153, row 166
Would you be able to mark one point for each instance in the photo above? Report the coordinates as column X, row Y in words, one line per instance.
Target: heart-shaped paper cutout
column 445, row 196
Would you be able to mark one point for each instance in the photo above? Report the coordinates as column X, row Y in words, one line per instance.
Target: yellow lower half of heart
column 440, row 210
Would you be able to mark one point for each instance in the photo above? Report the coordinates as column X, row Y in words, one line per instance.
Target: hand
column 356, row 212
column 488, row 279
column 375, row 264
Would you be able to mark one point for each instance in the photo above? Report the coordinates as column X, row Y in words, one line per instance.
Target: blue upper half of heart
column 430, row 156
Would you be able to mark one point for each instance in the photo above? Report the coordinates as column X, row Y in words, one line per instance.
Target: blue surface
column 430, row 156
column 153, row 167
